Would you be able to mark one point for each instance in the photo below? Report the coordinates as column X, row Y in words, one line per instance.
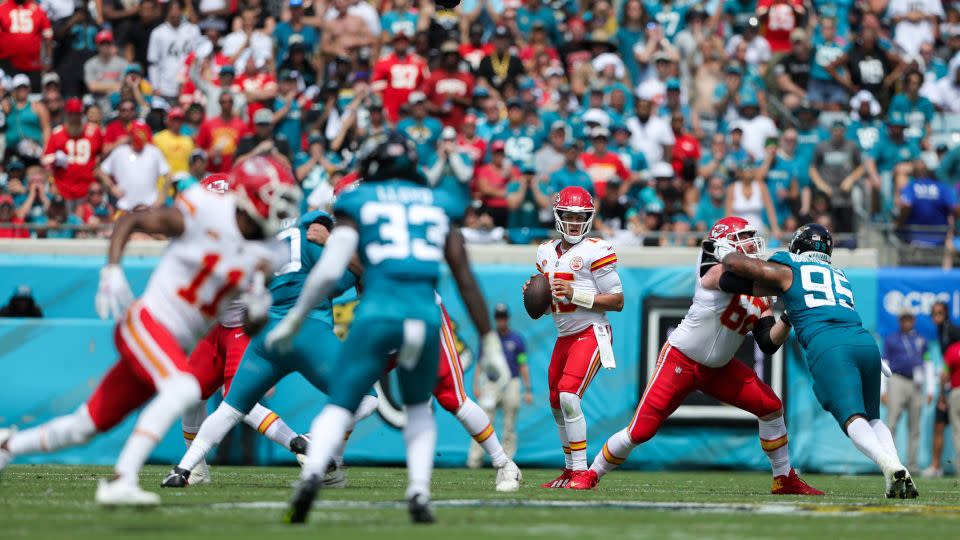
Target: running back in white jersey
column 205, row 269
column 586, row 264
column 715, row 325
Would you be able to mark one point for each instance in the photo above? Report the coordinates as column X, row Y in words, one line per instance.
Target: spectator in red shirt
column 778, row 18
column 259, row 86
column 491, row 184
column 26, row 36
column 95, row 209
column 9, row 218
column 601, row 164
column 686, row 149
column 72, row 153
column 219, row 136
column 398, row 75
column 118, row 132
column 475, row 49
column 450, row 89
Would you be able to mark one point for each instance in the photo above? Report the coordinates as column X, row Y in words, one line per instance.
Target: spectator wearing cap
column 21, row 304
column 650, row 134
column 297, row 60
column 633, row 160
column 262, row 140
column 837, row 167
column 571, row 174
column 28, row 122
column 450, row 169
column 197, row 163
column 173, row 144
column 133, row 171
column 749, row 198
column 398, row 75
column 549, row 157
column 914, row 22
column 674, row 101
column 865, row 126
column 779, row 169
column 59, row 222
column 528, row 203
column 73, row 152
column 926, row 201
column 95, row 208
column 449, row 88
column 778, row 19
column 75, row 36
column 288, row 109
column 602, row 165
column 793, row 70
column 501, row 68
column 809, row 134
column 866, row 65
column 892, row 152
column 519, row 134
column 912, row 380
column 612, row 210
column 491, row 184
column 27, row 39
column 508, row 400
column 824, row 92
column 294, row 30
column 344, row 31
column 219, row 135
column 422, row 129
column 750, row 47
column 52, row 97
column 119, row 131
column 916, row 109
column 712, row 206
column 103, row 74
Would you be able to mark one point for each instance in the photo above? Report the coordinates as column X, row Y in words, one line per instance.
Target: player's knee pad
column 570, row 405
column 368, row 405
column 181, row 387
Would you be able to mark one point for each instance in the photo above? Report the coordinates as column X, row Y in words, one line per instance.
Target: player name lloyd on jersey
column 405, row 194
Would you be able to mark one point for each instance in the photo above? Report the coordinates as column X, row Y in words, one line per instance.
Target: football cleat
column 559, row 482
column 419, row 508
column 299, row 444
column 897, row 480
column 792, row 484
column 335, row 477
column 909, row 488
column 118, row 493
column 509, row 477
column 177, row 478
column 200, row 474
column 304, row 492
column 587, row 479
column 5, row 456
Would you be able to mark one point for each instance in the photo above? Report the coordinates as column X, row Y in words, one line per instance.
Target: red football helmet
column 265, row 189
column 216, row 182
column 741, row 234
column 573, row 202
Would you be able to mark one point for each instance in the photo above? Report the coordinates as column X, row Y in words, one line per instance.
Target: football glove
column 718, row 248
column 257, row 299
column 113, row 293
column 493, row 362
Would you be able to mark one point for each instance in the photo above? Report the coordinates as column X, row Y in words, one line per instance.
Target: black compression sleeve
column 732, row 283
column 761, row 333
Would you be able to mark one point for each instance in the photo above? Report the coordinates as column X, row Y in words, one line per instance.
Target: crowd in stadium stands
column 672, row 112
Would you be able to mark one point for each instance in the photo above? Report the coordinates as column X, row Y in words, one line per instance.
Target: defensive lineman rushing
column 585, row 285
column 401, row 230
column 698, row 355
column 842, row 356
column 217, row 251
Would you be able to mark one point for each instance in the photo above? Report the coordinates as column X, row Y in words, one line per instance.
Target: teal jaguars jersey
column 288, row 281
column 819, row 303
column 403, row 229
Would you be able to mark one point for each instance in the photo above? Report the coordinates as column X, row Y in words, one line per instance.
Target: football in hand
column 537, row 297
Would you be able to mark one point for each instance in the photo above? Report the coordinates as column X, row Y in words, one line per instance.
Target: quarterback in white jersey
column 215, row 253
column 585, row 284
column 699, row 355
column 169, row 45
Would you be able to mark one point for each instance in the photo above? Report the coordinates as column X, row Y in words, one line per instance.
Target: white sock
column 773, row 440
column 173, row 397
column 866, row 440
column 326, row 434
column 420, row 434
column 191, row 421
column 885, row 437
column 478, row 425
column 368, row 405
column 615, row 452
column 576, row 427
column 213, row 430
column 270, row 425
column 61, row 432
column 564, row 441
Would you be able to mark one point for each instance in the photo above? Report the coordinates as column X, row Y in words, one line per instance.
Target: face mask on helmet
column 573, row 225
column 274, row 204
column 748, row 242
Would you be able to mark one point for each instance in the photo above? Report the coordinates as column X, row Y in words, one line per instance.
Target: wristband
column 785, row 319
column 583, row 298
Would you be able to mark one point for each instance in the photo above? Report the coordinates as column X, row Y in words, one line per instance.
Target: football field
column 244, row 502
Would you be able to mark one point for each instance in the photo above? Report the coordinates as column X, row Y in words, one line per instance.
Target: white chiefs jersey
column 203, row 271
column 582, row 264
column 715, row 325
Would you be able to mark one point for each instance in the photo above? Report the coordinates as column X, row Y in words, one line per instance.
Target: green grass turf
column 57, row 502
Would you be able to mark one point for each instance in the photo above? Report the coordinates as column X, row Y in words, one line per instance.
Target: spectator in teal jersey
column 935, row 66
column 716, row 159
column 534, row 11
column 527, row 202
column 288, row 111
column 893, row 151
column 422, row 129
column 671, row 15
column 837, row 11
column 712, row 207
column 673, row 102
column 780, row 170
column 865, row 127
column 490, row 118
column 314, row 169
column 294, row 30
column 197, row 164
column 619, row 103
column 949, row 169
column 631, row 30
column 521, row 138
column 824, row 92
column 56, row 217
column 402, row 17
column 809, row 134
column 736, row 13
column 571, row 174
column 450, row 169
column 917, row 110
column 632, row 159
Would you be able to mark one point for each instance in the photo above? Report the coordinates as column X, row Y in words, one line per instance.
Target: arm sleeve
column 732, row 283
column 761, row 333
column 462, row 167
column 608, row 280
